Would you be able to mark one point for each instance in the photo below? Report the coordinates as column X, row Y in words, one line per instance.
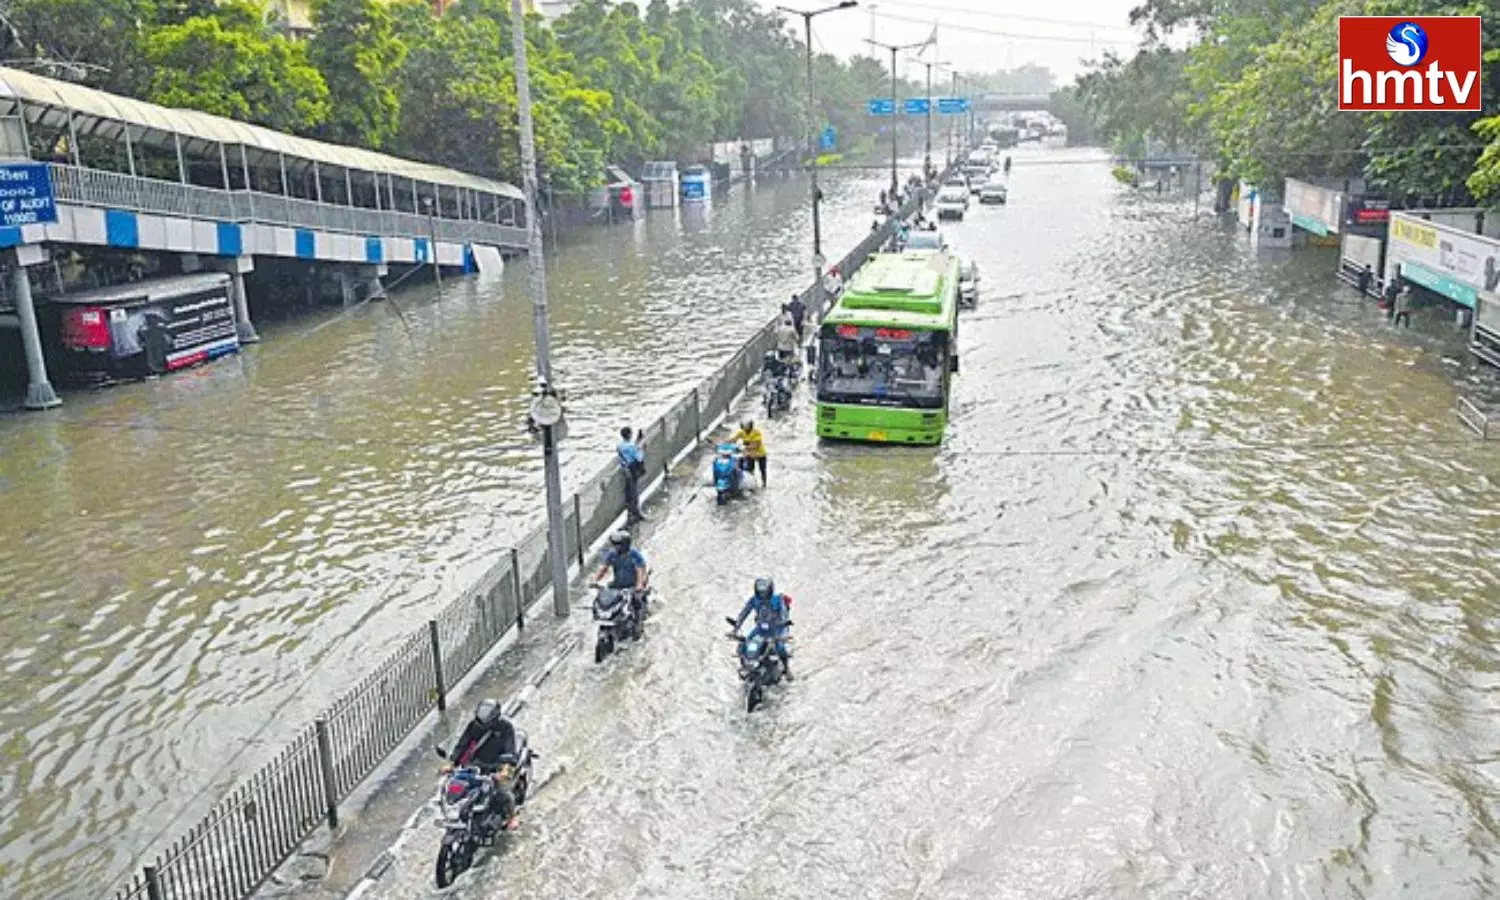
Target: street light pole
column 537, row 270
column 894, row 48
column 812, row 144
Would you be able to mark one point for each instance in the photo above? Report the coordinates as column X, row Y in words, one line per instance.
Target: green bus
column 887, row 351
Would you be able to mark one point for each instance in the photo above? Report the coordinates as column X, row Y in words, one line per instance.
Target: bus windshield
column 883, row 366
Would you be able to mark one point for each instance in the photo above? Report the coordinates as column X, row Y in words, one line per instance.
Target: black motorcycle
column 621, row 614
column 776, row 387
column 469, row 808
column 760, row 665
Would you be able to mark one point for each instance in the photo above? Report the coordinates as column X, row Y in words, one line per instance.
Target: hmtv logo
column 1396, row 64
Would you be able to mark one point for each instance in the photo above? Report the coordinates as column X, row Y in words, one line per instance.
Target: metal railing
column 1476, row 419
column 115, row 190
column 245, row 837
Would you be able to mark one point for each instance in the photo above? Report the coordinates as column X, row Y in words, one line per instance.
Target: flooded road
column 1198, row 599
column 194, row 566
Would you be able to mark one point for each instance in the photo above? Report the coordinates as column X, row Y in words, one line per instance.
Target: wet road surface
column 195, row 566
column 1197, row 599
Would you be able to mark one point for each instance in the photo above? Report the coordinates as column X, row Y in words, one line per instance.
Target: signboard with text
column 1410, row 64
column 882, row 107
column 916, row 106
column 952, row 106
column 1445, row 260
column 26, row 196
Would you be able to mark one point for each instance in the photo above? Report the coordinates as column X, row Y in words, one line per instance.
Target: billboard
column 1408, row 64
column 1443, row 259
column 1313, row 208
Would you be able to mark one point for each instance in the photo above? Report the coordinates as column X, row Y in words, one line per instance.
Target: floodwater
column 1198, row 599
column 193, row 567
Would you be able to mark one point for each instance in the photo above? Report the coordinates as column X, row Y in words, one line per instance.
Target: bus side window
column 953, row 364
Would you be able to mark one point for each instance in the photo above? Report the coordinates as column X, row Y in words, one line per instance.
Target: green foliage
column 356, row 49
column 611, row 82
column 231, row 64
column 1258, row 95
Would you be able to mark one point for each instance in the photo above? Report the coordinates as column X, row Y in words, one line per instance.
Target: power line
column 1041, row 38
column 1190, row 160
column 992, row 14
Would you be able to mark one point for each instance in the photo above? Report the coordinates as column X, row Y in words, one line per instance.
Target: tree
column 356, row 49
column 231, row 65
column 107, row 36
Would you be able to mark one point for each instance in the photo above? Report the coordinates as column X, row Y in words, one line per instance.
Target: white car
column 952, row 203
column 993, row 192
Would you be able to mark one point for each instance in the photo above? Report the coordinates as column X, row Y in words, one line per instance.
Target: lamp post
column 437, row 273
column 894, row 48
column 927, row 160
column 546, row 408
column 812, row 142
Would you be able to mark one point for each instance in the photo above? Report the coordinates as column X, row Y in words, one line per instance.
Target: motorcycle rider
column 771, row 612
column 628, row 566
column 488, row 743
column 754, row 443
column 788, row 341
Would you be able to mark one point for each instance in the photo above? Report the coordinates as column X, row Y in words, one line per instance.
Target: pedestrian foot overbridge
column 221, row 194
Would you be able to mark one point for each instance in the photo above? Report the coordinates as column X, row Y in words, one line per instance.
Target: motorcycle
column 776, row 385
column 760, row 665
column 621, row 614
column 729, row 473
column 469, row 812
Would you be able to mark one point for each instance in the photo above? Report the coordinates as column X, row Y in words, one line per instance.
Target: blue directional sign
column 952, row 106
column 26, row 196
column 916, row 106
column 828, row 138
column 882, row 107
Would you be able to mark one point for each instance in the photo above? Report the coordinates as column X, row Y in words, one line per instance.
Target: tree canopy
column 611, row 82
column 1253, row 91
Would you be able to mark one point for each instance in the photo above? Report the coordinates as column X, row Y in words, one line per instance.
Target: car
column 925, row 240
column 968, row 286
column 993, row 192
column 952, row 203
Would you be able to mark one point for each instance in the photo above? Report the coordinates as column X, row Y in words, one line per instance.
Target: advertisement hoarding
column 1312, row 208
column 1445, row 260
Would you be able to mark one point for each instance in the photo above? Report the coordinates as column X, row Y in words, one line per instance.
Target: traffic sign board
column 916, row 106
column 953, row 106
column 828, row 138
column 882, row 107
column 26, row 196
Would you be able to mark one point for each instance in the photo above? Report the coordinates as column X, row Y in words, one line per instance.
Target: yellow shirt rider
column 754, row 443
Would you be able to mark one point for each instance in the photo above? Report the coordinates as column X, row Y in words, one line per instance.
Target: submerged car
column 924, row 240
column 952, row 203
column 968, row 286
column 993, row 192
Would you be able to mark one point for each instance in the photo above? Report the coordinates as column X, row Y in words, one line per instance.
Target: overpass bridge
column 1021, row 102
column 220, row 194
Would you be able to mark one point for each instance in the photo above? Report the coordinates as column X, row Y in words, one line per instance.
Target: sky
column 979, row 35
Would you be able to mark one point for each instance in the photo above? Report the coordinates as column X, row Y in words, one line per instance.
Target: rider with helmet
column 627, row 564
column 488, row 743
column 772, row 610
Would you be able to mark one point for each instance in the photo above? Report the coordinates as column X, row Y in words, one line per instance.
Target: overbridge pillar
column 39, row 392
column 237, row 266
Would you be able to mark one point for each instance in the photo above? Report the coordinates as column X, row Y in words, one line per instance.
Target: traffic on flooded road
column 1187, row 601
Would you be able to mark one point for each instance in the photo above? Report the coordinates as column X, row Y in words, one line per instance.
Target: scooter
column 469, row 812
column 728, row 473
column 776, row 385
column 621, row 614
column 760, row 665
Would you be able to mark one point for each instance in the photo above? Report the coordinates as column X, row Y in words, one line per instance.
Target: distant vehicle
column 952, row 203
column 925, row 240
column 992, row 192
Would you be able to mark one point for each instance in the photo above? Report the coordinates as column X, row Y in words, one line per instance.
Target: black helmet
column 620, row 540
column 487, row 713
column 765, row 588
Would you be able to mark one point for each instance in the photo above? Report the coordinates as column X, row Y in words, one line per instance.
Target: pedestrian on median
column 798, row 311
column 632, row 461
column 787, row 339
column 1403, row 307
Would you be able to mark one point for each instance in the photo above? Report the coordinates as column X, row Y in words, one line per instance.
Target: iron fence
column 243, row 839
